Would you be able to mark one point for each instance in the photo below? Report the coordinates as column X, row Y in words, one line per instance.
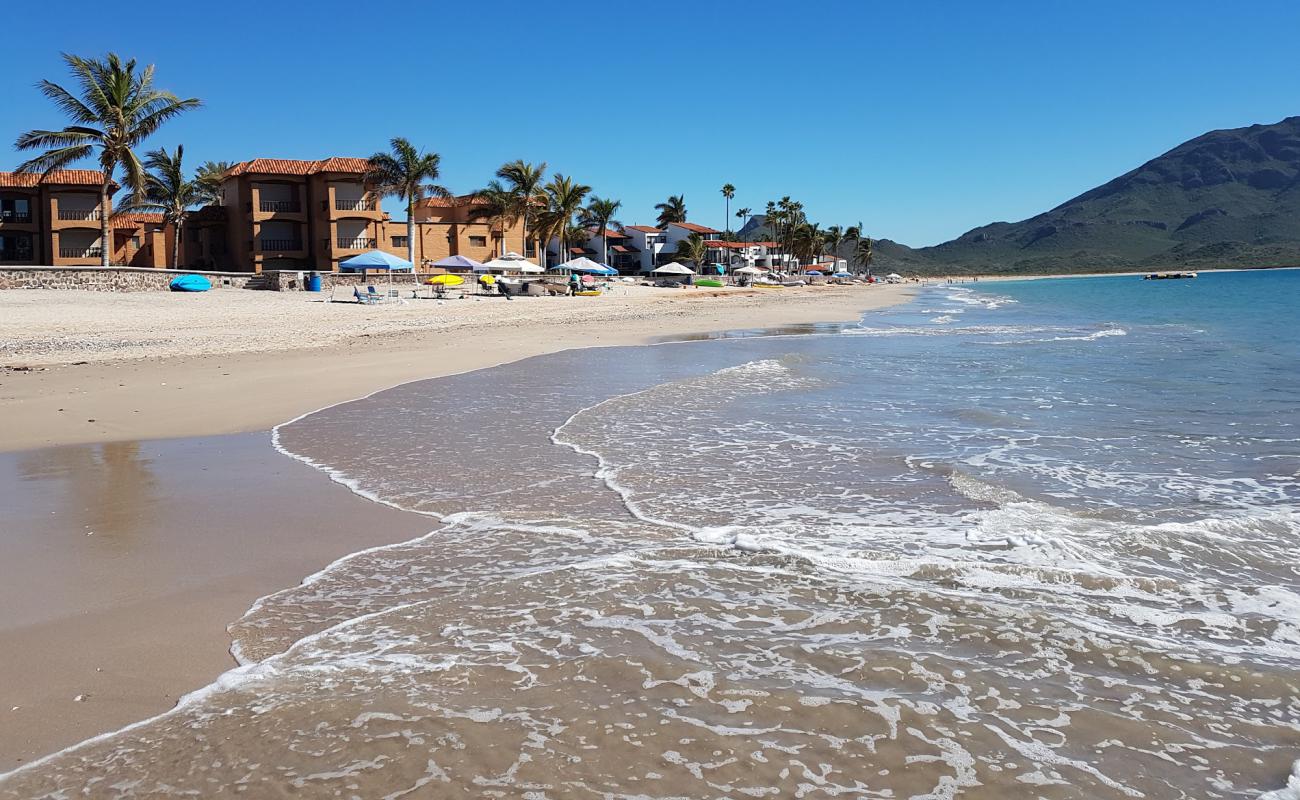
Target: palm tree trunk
column 105, row 244
column 410, row 231
column 176, row 245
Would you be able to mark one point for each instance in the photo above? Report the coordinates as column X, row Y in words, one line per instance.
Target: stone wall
column 113, row 279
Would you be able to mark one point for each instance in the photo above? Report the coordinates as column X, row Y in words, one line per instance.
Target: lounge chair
column 368, row 297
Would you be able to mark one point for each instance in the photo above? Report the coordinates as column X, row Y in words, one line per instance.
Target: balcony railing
column 354, row 205
column 81, row 252
column 280, row 205
column 278, row 245
column 16, row 216
column 355, row 244
column 79, row 213
column 15, row 255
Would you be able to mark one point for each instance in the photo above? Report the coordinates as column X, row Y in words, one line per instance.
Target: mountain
column 1227, row 198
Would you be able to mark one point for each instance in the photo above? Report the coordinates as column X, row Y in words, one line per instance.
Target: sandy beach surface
column 78, row 367
column 126, row 556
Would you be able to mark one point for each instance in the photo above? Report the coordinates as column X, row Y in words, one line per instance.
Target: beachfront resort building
column 648, row 242
column 55, row 220
column 284, row 214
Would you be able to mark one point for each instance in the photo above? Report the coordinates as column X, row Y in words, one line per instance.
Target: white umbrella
column 584, row 264
column 510, row 262
column 675, row 268
column 894, row 275
column 749, row 271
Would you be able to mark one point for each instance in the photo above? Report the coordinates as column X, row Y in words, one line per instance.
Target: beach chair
column 368, row 297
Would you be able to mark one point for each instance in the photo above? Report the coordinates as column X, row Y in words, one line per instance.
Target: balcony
column 80, row 214
column 15, row 255
column 272, row 206
column 81, row 252
column 362, row 204
column 23, row 217
column 355, row 244
column 279, row 245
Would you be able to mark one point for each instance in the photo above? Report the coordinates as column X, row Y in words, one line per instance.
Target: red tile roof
column 691, row 226
column 63, row 177
column 289, row 166
column 642, row 228
column 609, row 233
column 618, row 248
column 135, row 220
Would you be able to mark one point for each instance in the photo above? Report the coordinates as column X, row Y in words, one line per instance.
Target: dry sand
column 125, row 560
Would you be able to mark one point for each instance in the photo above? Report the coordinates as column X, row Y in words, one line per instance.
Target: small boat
column 709, row 283
column 1167, row 276
column 766, row 285
column 588, row 293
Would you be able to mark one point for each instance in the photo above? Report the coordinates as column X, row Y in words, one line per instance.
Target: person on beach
column 575, row 283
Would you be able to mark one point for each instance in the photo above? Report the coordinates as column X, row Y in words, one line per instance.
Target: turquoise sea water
column 1030, row 539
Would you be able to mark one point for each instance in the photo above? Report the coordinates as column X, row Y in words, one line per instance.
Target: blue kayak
column 190, row 283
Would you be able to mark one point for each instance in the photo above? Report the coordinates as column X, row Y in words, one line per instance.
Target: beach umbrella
column 584, row 264
column 510, row 262
column 894, row 275
column 487, row 280
column 842, row 275
column 459, row 262
column 749, row 271
column 818, row 273
column 675, row 268
column 374, row 259
column 445, row 280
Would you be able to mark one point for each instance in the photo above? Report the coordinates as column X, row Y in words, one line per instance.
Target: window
column 400, row 241
column 15, row 209
column 478, row 241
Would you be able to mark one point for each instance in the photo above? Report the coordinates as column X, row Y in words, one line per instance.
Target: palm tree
column 728, row 192
column 834, row 239
column 671, row 210
column 600, row 212
column 524, row 181
column 743, row 213
column 404, row 172
column 806, row 241
column 564, row 198
column 496, row 204
column 693, row 248
column 862, row 253
column 166, row 191
column 118, row 109
column 207, row 180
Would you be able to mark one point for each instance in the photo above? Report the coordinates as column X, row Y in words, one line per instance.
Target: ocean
column 1011, row 539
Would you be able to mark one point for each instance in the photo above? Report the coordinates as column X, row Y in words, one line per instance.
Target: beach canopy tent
column 750, row 271
column 373, row 259
column 584, row 264
column 459, row 262
column 510, row 262
column 675, row 268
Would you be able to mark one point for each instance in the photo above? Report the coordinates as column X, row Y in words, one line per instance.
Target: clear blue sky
column 921, row 119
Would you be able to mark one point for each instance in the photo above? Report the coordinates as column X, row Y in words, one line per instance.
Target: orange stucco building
column 291, row 214
column 55, row 220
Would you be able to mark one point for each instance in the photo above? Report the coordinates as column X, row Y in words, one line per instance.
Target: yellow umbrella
column 445, row 280
column 487, row 279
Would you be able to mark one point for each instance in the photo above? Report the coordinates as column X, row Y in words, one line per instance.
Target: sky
column 919, row 119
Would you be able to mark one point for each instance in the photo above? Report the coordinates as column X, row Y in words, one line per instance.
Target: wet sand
column 128, row 553
column 125, row 562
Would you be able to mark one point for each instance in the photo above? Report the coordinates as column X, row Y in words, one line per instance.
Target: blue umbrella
column 373, row 259
column 842, row 275
column 813, row 272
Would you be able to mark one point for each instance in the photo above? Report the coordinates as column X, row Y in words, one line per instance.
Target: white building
column 647, row 242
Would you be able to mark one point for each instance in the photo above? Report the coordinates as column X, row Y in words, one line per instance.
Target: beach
column 1030, row 539
column 159, row 545
column 80, row 367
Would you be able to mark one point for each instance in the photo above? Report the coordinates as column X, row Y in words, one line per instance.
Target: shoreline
column 173, row 393
column 88, row 666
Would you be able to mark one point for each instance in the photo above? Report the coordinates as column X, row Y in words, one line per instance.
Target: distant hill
column 1228, row 198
